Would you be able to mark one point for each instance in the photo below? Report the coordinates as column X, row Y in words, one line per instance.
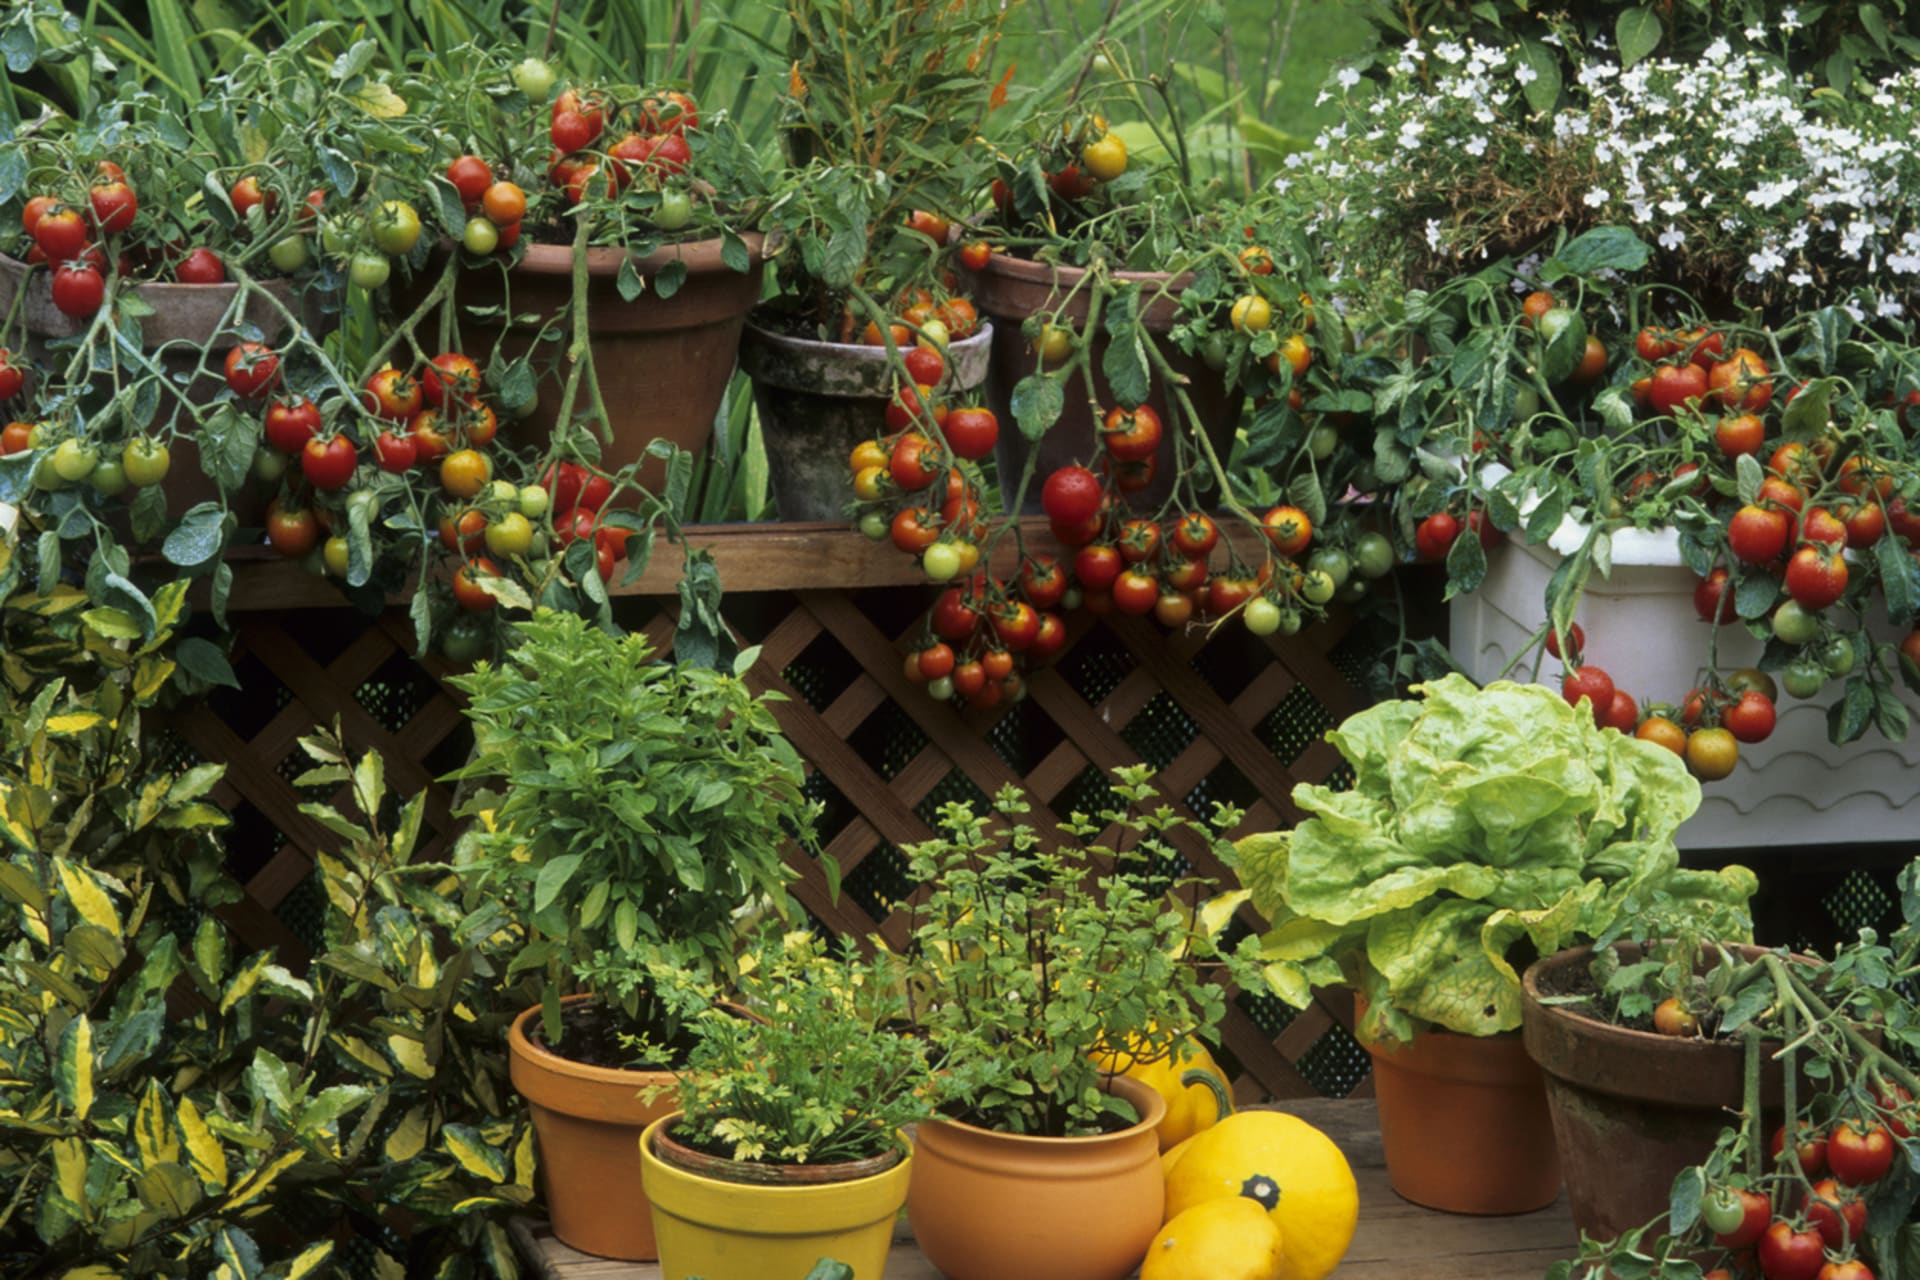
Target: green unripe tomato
column 1262, row 616
column 534, row 78
column 1317, row 587
column 676, row 210
column 940, row 562
column 1722, row 1210
column 369, row 269
column 502, row 492
column 45, row 477
column 1837, row 655
column 940, row 690
column 146, row 461
column 1333, row 562
column 396, row 228
column 74, row 460
column 1795, row 625
column 533, row 501
column 335, row 238
column 934, row 333
column 1213, row 351
column 463, row 641
column 480, row 238
column 108, row 478
column 1804, row 677
column 1289, row 622
column 269, row 465
column 1322, row 441
column 335, row 554
column 288, row 254
column 875, row 526
column 1526, row 401
column 1373, row 555
column 510, row 535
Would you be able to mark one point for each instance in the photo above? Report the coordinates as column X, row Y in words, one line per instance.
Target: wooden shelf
column 750, row 557
column 1395, row 1239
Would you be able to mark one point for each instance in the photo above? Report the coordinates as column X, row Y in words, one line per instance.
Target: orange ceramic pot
column 1465, row 1123
column 993, row 1206
column 588, row 1122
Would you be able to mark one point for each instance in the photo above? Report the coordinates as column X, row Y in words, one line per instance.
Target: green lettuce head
column 1476, row 817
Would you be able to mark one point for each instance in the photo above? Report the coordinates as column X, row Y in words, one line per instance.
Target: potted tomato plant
column 1806, row 1175
column 1478, row 821
column 617, row 226
column 790, row 1142
column 1040, row 1160
column 865, row 210
column 617, row 879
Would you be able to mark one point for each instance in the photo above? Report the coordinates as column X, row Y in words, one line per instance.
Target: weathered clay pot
column 1465, row 1125
column 713, row 1222
column 817, row 400
column 187, row 320
column 663, row 363
column 588, row 1121
column 992, row 1206
column 1010, row 290
column 1631, row 1109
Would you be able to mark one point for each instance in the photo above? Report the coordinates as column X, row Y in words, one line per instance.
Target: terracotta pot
column 588, row 1121
column 1465, row 1125
column 1010, row 290
column 187, row 319
column 992, row 1206
column 719, row 1226
column 1631, row 1109
column 817, row 400
column 663, row 363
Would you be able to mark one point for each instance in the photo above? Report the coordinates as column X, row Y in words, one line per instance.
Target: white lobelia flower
column 1476, row 146
column 1348, row 77
column 1596, row 197
column 1672, row 238
column 1525, row 74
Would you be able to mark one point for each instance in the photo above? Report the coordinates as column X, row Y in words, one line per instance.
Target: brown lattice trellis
column 1223, row 717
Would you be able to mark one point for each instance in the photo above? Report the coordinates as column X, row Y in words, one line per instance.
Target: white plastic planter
column 1794, row 788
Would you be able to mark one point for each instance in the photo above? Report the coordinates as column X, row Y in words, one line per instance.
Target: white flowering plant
column 1755, row 187
column 1571, row 397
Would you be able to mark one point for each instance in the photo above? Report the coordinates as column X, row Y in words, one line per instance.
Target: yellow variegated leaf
column 70, row 1169
column 411, row 1055
column 309, row 1260
column 256, row 1183
column 500, row 1254
column 523, row 1159
column 150, row 675
column 385, row 1268
column 153, row 1127
column 381, row 102
column 73, row 1067
column 74, row 722
column 473, row 1153
column 95, row 1272
column 204, row 1152
column 1216, row 912
column 87, row 897
column 409, row 1138
column 363, row 1053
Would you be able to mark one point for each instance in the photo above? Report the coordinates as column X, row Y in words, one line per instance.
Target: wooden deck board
column 1395, row 1241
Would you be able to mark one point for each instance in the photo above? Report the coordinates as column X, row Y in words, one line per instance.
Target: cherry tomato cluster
column 1087, row 155
column 66, row 237
column 72, row 460
column 651, row 147
column 1706, row 730
column 923, row 318
column 494, row 207
column 1829, row 1172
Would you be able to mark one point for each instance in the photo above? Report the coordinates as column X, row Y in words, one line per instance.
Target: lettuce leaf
column 1476, row 818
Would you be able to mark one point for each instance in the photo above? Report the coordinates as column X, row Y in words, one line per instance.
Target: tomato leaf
column 1890, row 715
column 733, row 251
column 1683, row 1204
column 1847, row 719
column 1466, row 564
column 1806, row 416
column 1037, row 404
column 1748, row 476
column 1757, row 593
column 1544, row 520
column 1897, row 579
column 196, row 539
column 1125, row 361
column 1602, row 249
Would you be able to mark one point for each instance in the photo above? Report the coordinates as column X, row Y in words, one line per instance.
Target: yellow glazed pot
column 737, row 1231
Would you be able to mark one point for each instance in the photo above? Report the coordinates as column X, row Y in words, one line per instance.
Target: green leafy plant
column 820, row 1074
column 172, row 1107
column 1477, row 818
column 1031, row 954
column 629, row 808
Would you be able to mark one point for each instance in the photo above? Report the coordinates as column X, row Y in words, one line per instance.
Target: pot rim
column 858, row 351
column 1036, row 271
column 1567, row 957
column 1151, row 1106
column 670, row 1151
column 524, row 1046
column 700, row 255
